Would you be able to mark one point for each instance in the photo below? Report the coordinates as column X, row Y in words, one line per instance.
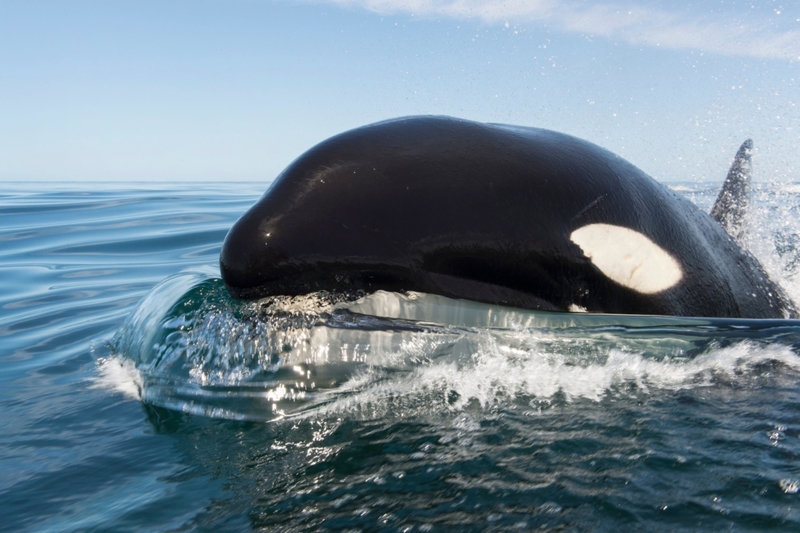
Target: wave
column 190, row 347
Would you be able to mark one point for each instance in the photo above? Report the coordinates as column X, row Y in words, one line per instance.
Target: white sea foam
column 499, row 374
column 118, row 374
column 683, row 188
column 788, row 188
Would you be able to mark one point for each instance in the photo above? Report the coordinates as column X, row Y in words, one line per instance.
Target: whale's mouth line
column 351, row 281
column 350, row 286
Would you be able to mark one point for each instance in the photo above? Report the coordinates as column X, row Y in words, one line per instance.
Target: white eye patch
column 628, row 257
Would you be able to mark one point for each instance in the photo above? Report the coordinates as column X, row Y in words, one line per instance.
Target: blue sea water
column 136, row 395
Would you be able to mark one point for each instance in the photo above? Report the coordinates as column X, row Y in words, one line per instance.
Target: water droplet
column 789, row 486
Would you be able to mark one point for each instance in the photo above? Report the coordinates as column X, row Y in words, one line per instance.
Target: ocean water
column 137, row 395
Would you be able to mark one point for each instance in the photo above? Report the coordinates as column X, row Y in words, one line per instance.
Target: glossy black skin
column 482, row 212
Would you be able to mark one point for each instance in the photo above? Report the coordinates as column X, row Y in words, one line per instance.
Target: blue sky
column 230, row 90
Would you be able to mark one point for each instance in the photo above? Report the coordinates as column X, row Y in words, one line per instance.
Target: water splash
column 202, row 352
column 776, row 244
column 119, row 374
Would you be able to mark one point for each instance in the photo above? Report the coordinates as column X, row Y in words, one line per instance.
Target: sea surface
column 137, row 395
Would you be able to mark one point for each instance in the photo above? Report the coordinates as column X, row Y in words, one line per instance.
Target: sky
column 234, row 90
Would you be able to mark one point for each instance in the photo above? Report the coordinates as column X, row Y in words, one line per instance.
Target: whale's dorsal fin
column 731, row 205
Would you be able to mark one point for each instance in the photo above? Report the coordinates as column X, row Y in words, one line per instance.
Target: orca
column 498, row 214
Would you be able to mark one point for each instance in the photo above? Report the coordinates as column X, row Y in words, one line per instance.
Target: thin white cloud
column 750, row 34
column 497, row 11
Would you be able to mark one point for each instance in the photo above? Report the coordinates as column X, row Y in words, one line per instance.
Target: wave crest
column 196, row 349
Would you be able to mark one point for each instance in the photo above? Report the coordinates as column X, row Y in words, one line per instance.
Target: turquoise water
column 138, row 396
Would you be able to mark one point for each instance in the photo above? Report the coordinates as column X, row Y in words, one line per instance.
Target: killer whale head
column 498, row 214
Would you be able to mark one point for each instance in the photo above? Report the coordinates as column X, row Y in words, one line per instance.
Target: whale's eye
column 628, row 257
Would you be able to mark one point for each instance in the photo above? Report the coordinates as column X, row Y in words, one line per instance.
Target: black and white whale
column 498, row 214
